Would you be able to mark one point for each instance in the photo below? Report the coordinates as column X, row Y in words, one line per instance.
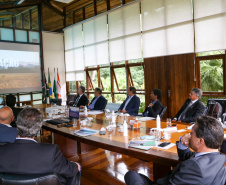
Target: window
column 211, row 73
column 114, row 81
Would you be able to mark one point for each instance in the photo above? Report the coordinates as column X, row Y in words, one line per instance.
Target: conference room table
column 72, row 145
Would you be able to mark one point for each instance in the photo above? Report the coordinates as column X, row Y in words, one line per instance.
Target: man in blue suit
column 98, row 102
column 8, row 134
column 131, row 104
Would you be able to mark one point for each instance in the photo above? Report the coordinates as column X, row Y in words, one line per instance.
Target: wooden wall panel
column 170, row 73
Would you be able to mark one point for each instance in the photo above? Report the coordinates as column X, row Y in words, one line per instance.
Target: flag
column 54, row 85
column 58, row 86
column 44, row 88
column 50, row 87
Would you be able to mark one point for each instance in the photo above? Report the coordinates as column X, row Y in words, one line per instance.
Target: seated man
column 81, row 99
column 10, row 102
column 26, row 156
column 155, row 107
column 98, row 102
column 203, row 166
column 192, row 108
column 8, row 134
column 131, row 104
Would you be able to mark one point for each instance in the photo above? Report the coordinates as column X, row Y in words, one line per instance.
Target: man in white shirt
column 7, row 133
column 192, row 108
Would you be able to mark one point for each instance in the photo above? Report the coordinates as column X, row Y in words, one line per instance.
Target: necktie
column 182, row 116
column 76, row 101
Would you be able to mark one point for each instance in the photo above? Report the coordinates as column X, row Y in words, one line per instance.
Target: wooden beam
column 84, row 13
column 95, row 6
column 108, row 5
column 25, row 4
column 52, row 7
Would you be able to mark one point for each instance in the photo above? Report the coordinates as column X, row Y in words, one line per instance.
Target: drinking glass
column 168, row 122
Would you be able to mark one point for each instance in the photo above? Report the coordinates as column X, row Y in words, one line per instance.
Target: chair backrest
column 214, row 109
column 16, row 179
column 106, row 101
column 163, row 111
column 113, row 106
column 56, row 101
column 70, row 99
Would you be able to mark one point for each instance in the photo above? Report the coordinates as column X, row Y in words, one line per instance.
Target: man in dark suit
column 8, row 134
column 203, row 166
column 26, row 156
column 131, row 104
column 81, row 99
column 10, row 102
column 155, row 107
column 192, row 108
column 98, row 102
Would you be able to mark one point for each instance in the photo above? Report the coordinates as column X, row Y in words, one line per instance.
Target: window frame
column 198, row 74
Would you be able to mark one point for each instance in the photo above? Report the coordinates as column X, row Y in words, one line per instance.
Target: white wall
column 53, row 54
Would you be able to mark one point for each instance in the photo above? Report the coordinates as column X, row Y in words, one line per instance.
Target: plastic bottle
column 158, row 123
column 85, row 111
column 125, row 129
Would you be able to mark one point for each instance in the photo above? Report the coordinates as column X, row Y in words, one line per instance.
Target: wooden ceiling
column 57, row 15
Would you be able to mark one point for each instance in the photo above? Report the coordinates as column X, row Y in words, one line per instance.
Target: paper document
column 142, row 144
column 85, row 132
column 95, row 112
column 182, row 130
column 145, row 118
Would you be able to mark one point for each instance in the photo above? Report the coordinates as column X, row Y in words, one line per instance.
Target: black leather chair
column 163, row 111
column 70, row 99
column 56, row 101
column 16, row 179
column 214, row 109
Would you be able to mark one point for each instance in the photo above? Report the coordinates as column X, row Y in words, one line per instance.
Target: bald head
column 6, row 115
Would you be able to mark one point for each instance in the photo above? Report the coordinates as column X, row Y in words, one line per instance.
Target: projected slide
column 19, row 68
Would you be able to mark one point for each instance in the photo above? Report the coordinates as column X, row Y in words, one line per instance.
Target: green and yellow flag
column 50, row 87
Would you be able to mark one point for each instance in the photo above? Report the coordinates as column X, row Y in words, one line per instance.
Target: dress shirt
column 183, row 147
column 128, row 100
column 27, row 139
column 6, row 125
column 91, row 106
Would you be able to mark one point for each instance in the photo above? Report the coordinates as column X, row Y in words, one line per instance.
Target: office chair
column 70, row 99
column 56, row 101
column 106, row 101
column 18, row 179
column 163, row 111
column 214, row 109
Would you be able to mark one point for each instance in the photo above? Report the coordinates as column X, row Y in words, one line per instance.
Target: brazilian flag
column 50, row 87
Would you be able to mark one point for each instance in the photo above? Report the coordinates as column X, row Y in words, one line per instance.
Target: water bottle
column 158, row 123
column 125, row 129
column 85, row 111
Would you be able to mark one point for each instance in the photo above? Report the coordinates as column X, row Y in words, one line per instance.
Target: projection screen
column 19, row 68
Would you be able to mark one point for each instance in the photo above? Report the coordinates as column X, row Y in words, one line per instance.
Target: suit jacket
column 155, row 110
column 207, row 169
column 7, row 134
column 133, row 105
column 100, row 103
column 35, row 158
column 197, row 109
column 83, row 101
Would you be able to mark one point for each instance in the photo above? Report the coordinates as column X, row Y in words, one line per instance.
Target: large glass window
column 212, row 75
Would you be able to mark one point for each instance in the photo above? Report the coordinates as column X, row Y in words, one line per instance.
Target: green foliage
column 211, row 75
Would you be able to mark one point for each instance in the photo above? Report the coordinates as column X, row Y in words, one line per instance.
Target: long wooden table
column 72, row 144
